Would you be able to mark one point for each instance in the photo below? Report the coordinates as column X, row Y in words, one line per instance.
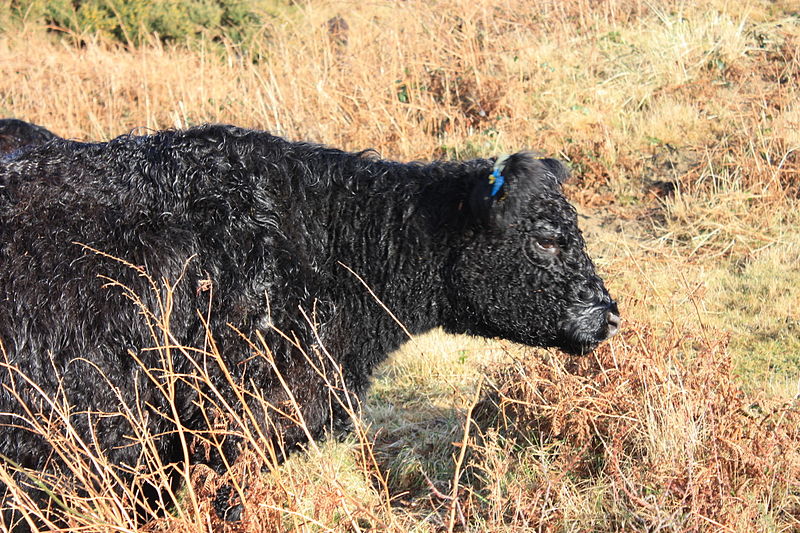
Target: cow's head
column 521, row 272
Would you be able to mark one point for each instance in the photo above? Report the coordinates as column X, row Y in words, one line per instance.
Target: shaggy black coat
column 261, row 234
column 15, row 134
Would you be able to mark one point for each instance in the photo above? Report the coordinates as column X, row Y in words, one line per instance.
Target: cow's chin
column 575, row 348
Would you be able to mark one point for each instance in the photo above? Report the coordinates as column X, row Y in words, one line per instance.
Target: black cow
column 16, row 134
column 261, row 238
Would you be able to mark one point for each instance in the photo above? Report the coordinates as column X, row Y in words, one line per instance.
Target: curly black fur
column 16, row 134
column 273, row 228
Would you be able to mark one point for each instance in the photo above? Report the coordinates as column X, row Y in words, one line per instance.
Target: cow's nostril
column 614, row 321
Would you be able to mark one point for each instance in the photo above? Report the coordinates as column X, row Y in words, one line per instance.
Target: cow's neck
column 398, row 236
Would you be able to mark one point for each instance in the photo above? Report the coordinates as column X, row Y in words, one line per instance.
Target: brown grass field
column 681, row 122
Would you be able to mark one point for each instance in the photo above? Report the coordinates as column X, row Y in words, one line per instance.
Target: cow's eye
column 548, row 246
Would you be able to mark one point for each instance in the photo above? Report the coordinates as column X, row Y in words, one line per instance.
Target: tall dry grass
column 411, row 77
column 680, row 121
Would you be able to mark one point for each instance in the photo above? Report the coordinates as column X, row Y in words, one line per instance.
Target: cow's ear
column 497, row 198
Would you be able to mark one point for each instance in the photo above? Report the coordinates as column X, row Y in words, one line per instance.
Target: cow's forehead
column 551, row 203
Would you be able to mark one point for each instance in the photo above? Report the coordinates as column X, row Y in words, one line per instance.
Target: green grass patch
column 757, row 300
column 135, row 22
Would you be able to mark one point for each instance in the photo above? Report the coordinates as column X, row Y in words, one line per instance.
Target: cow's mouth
column 583, row 334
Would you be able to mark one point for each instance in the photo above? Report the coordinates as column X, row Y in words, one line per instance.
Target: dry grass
column 650, row 433
column 681, row 122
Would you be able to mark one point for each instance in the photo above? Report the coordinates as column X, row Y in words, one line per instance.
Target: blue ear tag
column 496, row 178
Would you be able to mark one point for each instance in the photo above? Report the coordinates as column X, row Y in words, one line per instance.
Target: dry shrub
column 85, row 490
column 318, row 489
column 473, row 103
column 660, row 422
